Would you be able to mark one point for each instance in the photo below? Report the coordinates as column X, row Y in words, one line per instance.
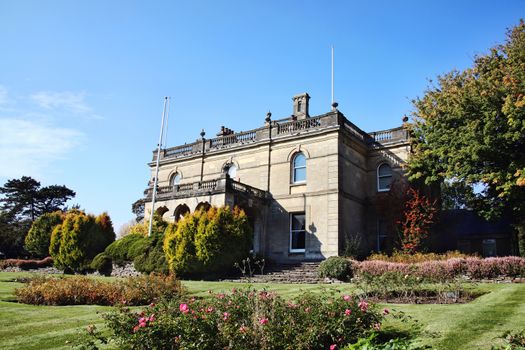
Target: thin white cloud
column 68, row 101
column 29, row 147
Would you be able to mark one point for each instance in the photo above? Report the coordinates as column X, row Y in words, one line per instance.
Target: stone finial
column 268, row 117
column 203, row 133
column 334, row 106
column 405, row 119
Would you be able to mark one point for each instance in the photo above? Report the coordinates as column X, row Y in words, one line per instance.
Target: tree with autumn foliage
column 417, row 218
column 469, row 129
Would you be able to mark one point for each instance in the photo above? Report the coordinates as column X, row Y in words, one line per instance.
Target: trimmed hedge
column 27, row 264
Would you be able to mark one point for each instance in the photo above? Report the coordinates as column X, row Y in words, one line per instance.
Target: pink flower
column 184, row 308
column 363, row 305
column 220, row 296
column 333, row 346
column 136, row 328
column 225, row 316
column 152, row 318
column 385, row 311
column 263, row 321
column 142, row 320
column 243, row 329
column 346, row 297
column 348, row 312
column 209, row 309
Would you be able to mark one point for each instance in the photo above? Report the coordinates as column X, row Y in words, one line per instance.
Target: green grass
column 469, row 326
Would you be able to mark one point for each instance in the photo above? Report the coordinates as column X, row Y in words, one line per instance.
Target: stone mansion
column 306, row 182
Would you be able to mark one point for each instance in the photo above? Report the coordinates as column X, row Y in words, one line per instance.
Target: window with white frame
column 297, row 233
column 175, row 179
column 299, row 168
column 232, row 171
column 384, row 177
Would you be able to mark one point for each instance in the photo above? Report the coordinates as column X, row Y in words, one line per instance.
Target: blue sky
column 82, row 82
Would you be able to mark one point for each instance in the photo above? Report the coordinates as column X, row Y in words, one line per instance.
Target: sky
column 82, row 82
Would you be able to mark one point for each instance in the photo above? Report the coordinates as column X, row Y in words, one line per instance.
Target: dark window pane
column 297, row 222
column 384, row 183
column 385, row 170
column 298, row 240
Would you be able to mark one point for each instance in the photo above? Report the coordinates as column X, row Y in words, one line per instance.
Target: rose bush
column 246, row 319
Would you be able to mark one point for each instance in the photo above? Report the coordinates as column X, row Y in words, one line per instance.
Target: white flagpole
column 156, row 180
column 332, row 74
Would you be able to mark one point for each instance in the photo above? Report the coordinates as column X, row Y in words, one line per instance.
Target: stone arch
column 161, row 210
column 298, row 149
column 205, row 206
column 180, row 211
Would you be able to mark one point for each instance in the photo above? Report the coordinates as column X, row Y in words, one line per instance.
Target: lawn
column 467, row 326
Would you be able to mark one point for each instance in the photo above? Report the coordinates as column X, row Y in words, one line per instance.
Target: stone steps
column 304, row 272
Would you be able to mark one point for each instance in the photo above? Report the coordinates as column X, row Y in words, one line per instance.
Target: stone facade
column 306, row 182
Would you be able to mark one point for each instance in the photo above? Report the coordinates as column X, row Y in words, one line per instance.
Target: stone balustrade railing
column 280, row 129
column 193, row 189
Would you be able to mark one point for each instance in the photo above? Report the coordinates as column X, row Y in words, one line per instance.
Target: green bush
column 150, row 255
column 209, row 242
column 79, row 239
column 245, row 320
column 81, row 290
column 146, row 253
column 120, row 250
column 103, row 264
column 39, row 235
column 336, row 267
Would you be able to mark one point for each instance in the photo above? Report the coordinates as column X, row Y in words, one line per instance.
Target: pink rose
column 225, row 316
column 363, row 305
column 263, row 321
column 333, row 347
column 184, row 308
column 348, row 312
column 346, row 297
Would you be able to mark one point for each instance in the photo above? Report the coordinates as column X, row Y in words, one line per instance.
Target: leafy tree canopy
column 469, row 129
column 24, row 198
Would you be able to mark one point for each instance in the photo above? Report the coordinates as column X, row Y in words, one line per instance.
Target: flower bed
column 81, row 290
column 246, row 320
column 445, row 270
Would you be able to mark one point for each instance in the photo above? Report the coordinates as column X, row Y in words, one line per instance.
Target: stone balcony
column 202, row 188
column 285, row 128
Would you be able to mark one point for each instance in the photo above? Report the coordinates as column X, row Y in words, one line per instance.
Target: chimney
column 301, row 106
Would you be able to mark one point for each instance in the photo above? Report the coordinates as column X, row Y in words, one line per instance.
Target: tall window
column 232, row 171
column 384, row 177
column 175, row 180
column 297, row 233
column 299, row 168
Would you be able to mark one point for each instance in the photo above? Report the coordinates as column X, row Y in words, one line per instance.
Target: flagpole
column 332, row 75
column 156, row 179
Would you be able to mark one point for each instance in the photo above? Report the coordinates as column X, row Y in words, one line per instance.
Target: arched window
column 299, row 168
column 180, row 211
column 232, row 171
column 384, row 177
column 175, row 179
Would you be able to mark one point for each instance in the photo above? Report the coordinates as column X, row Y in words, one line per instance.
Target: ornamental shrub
column 26, row 264
column 146, row 253
column 336, row 267
column 39, row 235
column 103, row 264
column 79, row 239
column 243, row 320
column 81, row 290
column 208, row 242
